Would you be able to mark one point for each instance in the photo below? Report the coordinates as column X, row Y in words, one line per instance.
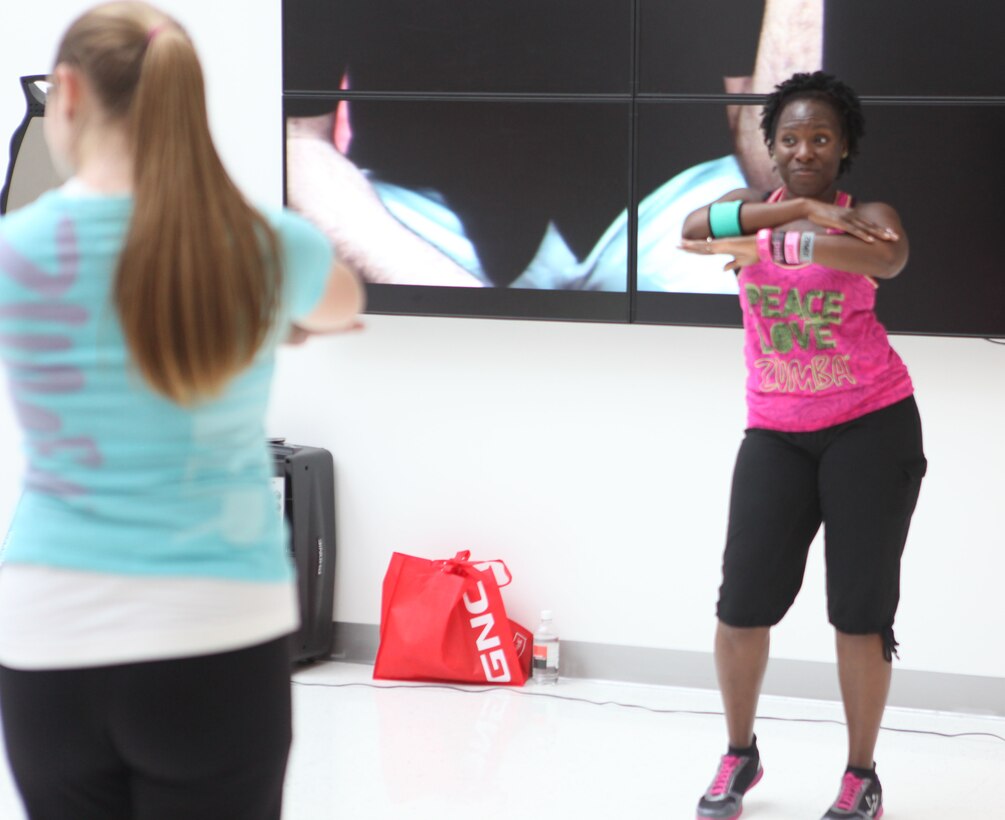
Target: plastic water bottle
column 545, row 651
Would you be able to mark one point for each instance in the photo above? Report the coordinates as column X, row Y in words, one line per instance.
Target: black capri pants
column 861, row 480
column 200, row 738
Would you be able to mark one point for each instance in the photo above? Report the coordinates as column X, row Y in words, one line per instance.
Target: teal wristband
column 724, row 219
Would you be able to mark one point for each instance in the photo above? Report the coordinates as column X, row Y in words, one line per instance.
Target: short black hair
column 818, row 86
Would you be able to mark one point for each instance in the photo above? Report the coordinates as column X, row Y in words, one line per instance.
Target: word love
column 804, row 318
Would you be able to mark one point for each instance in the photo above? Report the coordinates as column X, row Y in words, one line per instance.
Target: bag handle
column 460, row 563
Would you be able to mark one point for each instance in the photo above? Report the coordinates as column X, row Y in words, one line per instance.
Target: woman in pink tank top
column 833, row 438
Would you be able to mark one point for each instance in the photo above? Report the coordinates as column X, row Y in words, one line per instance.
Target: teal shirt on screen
column 119, row 479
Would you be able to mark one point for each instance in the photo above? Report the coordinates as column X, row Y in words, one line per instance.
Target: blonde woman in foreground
column 146, row 595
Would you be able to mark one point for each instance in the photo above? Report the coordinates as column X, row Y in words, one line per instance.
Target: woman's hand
column 742, row 250
column 298, row 335
column 849, row 220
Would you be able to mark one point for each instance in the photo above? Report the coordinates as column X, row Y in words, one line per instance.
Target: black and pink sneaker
column 739, row 771
column 861, row 797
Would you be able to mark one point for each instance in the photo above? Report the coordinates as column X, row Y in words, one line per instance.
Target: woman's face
column 808, row 147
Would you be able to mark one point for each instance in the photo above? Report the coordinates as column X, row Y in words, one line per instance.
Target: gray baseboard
column 937, row 691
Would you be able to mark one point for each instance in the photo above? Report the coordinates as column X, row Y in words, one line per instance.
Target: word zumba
column 820, row 373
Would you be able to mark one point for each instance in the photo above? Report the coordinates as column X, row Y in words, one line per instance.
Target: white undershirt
column 64, row 619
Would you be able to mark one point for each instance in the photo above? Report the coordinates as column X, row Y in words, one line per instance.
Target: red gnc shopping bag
column 445, row 621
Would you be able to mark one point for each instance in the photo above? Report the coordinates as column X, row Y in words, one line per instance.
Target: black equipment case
column 305, row 488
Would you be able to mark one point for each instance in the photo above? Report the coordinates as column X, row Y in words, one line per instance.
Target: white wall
column 595, row 459
column 240, row 48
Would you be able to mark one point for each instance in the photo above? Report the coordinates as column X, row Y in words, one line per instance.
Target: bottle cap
column 545, row 614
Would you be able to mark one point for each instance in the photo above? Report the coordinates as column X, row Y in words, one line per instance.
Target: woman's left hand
column 741, row 249
column 851, row 221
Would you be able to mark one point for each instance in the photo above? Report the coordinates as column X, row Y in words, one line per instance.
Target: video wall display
column 691, row 46
column 528, row 159
column 887, row 48
column 933, row 163
column 917, row 47
column 937, row 166
column 516, row 46
column 470, row 194
column 687, row 157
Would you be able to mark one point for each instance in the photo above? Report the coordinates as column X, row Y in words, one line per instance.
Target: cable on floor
column 571, row 699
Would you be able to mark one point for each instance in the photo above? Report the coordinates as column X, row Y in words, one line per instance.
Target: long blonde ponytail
column 198, row 281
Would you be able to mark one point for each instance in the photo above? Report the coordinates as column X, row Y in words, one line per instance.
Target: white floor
column 366, row 751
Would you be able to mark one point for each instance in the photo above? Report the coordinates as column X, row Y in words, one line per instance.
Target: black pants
column 202, row 737
column 861, row 479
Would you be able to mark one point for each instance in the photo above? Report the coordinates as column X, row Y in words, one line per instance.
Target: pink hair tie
column 155, row 31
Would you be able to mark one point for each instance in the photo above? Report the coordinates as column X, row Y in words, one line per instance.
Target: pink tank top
column 816, row 353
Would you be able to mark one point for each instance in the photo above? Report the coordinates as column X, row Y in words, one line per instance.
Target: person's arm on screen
column 325, row 186
column 791, row 40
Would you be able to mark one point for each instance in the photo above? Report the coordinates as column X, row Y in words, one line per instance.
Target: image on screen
column 949, row 286
column 889, row 48
column 535, row 159
column 686, row 159
column 460, row 193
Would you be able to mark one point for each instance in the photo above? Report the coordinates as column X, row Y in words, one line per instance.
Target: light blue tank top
column 119, row 479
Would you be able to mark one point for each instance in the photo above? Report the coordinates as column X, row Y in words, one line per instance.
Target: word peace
column 804, row 319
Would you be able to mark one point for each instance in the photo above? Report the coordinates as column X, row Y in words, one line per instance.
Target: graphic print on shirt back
column 28, row 379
